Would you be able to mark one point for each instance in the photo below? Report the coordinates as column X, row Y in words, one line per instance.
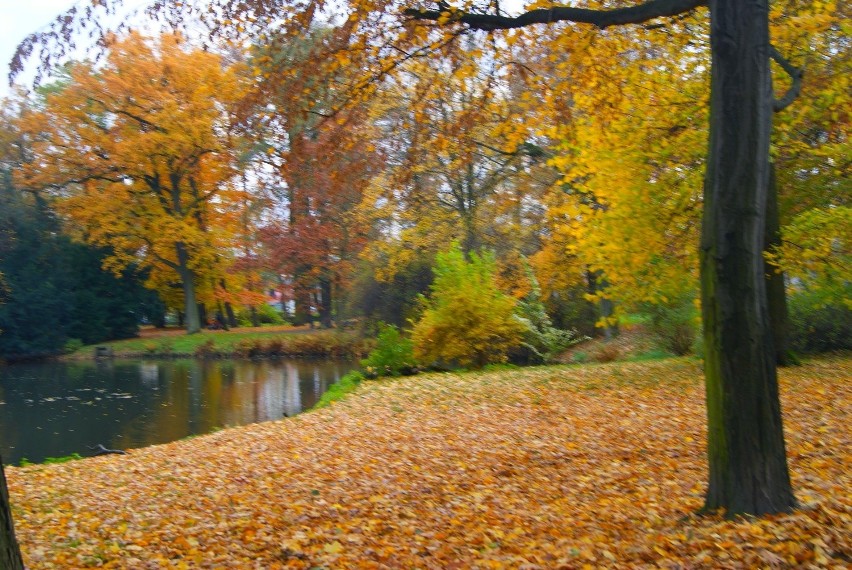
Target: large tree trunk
column 747, row 459
column 10, row 553
column 187, row 277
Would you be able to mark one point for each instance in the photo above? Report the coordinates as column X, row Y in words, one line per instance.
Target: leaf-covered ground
column 596, row 466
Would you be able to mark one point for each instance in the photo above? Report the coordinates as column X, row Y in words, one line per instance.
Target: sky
column 19, row 18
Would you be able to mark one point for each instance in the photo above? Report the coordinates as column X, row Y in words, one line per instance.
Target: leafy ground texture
column 554, row 467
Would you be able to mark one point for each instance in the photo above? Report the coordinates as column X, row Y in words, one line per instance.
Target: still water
column 59, row 408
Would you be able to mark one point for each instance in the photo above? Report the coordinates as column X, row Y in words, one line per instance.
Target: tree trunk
column 775, row 290
column 325, row 303
column 10, row 553
column 747, row 459
column 301, row 306
column 187, row 278
column 230, row 317
column 605, row 308
column 203, row 318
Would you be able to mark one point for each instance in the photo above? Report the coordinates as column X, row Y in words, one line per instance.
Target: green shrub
column 393, row 355
column 265, row 315
column 467, row 320
column 580, row 358
column 674, row 324
column 73, row 345
column 542, row 342
column 819, row 323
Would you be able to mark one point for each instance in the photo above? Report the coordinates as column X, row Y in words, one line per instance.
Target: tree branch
column 795, row 73
column 600, row 18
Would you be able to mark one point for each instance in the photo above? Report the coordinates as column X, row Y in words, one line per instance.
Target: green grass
column 50, row 460
column 294, row 342
column 340, row 389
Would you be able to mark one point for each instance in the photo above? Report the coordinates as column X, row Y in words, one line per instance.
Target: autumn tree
column 138, row 150
column 462, row 164
column 318, row 242
column 322, row 161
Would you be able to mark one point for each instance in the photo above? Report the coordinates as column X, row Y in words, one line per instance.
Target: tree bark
column 10, row 552
column 325, row 303
column 747, row 458
column 230, row 317
column 301, row 304
column 187, row 277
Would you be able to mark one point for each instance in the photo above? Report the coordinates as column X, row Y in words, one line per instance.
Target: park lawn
column 550, row 467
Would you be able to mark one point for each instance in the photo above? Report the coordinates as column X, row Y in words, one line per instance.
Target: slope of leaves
column 554, row 467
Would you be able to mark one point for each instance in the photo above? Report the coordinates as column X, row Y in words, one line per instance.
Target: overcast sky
column 19, row 18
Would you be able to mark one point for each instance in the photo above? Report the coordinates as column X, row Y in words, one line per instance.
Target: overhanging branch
column 795, row 73
column 600, row 18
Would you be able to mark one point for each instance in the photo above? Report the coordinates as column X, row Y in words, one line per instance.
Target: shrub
column 248, row 348
column 607, row 353
column 393, row 355
column 326, row 344
column 275, row 347
column 819, row 323
column 580, row 358
column 675, row 324
column 542, row 342
column 265, row 315
column 73, row 345
column 206, row 349
column 467, row 320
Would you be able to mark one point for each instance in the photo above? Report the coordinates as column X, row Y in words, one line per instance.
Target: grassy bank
column 290, row 342
column 553, row 467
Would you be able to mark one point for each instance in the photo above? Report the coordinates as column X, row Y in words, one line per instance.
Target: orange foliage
column 538, row 468
column 139, row 152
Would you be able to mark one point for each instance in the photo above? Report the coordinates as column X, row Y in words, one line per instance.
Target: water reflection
column 55, row 409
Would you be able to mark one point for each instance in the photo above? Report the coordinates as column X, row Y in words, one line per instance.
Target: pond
column 55, row 409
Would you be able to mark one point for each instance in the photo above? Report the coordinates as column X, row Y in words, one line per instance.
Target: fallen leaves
column 598, row 466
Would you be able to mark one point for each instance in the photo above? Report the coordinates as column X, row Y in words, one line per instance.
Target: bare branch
column 600, row 18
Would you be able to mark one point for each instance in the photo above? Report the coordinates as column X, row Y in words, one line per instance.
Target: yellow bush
column 467, row 320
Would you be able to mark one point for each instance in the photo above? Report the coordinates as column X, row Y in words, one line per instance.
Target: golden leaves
column 537, row 468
